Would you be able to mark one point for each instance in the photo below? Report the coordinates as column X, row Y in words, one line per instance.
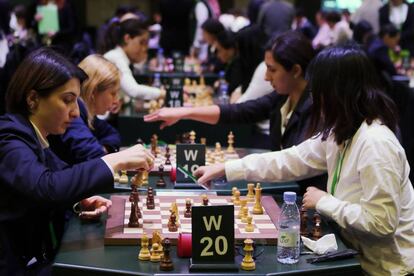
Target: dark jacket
column 80, row 143
column 35, row 189
column 407, row 30
column 378, row 53
column 268, row 107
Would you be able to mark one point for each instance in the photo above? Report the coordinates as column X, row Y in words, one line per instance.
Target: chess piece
column 243, row 203
column 236, row 201
column 249, row 227
column 150, row 199
column 154, row 144
column 250, row 193
column 167, row 156
column 174, row 208
column 218, row 148
column 245, row 214
column 205, row 200
column 140, row 141
column 161, row 181
column 258, row 209
column 124, row 178
column 166, row 263
column 203, row 141
column 248, row 262
column 157, row 238
column 155, row 253
column 187, row 213
column 116, row 176
column 172, row 226
column 144, row 180
column 233, row 192
column 303, row 221
column 192, row 137
column 230, row 141
column 317, row 231
column 137, row 179
column 133, row 217
column 144, row 253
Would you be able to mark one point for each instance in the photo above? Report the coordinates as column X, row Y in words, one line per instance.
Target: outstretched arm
column 169, row 116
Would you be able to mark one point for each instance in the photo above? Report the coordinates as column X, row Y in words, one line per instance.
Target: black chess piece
column 187, row 213
column 167, row 156
column 317, row 231
column 166, row 263
column 150, row 199
column 161, row 181
column 133, row 218
column 303, row 221
column 172, row 225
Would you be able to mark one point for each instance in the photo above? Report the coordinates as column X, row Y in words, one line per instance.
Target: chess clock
column 212, row 238
column 175, row 92
column 189, row 158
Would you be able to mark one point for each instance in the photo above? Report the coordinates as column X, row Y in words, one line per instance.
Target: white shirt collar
column 43, row 142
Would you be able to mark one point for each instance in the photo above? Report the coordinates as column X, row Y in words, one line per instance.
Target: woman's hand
column 312, row 196
column 207, row 173
column 93, row 207
column 168, row 116
column 136, row 157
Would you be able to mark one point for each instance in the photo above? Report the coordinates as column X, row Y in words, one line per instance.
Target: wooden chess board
column 117, row 231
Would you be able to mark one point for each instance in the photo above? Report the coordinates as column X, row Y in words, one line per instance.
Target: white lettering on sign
column 211, row 221
column 190, row 154
column 174, row 94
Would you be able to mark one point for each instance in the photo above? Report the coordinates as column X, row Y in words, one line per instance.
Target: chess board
column 117, row 231
column 211, row 157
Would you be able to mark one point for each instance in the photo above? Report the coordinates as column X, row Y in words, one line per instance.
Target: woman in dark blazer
column 407, row 27
column 36, row 187
column 89, row 137
column 288, row 108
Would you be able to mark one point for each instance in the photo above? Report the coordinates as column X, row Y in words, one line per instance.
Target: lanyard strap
column 338, row 168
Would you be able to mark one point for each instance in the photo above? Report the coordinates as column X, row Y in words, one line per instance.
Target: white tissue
column 324, row 245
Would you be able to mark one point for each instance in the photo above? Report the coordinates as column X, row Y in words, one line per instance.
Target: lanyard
column 338, row 168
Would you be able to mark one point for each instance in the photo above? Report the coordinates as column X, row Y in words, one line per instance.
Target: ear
column 297, row 71
column 32, row 100
column 127, row 38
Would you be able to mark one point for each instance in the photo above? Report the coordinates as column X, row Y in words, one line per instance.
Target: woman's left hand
column 311, row 197
column 93, row 207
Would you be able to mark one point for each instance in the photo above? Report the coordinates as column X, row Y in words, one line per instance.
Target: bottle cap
column 289, row 196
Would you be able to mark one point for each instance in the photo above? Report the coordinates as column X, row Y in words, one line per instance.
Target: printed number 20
column 221, row 250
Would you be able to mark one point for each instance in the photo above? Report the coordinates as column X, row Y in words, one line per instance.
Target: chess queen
column 369, row 194
column 35, row 185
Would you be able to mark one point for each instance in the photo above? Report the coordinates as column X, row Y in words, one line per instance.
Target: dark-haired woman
column 36, row 187
column 127, row 42
column 369, row 194
column 288, row 108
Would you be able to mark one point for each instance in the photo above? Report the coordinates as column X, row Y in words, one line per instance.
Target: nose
column 74, row 113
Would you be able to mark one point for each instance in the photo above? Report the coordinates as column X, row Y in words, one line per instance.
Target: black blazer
column 35, row 189
column 407, row 31
column 268, row 107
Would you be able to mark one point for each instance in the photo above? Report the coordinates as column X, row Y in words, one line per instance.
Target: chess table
column 117, row 231
column 83, row 252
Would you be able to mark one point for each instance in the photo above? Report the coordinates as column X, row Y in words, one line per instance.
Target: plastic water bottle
column 223, row 94
column 289, row 230
column 157, row 80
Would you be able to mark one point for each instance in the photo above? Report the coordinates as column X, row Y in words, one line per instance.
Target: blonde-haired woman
column 89, row 137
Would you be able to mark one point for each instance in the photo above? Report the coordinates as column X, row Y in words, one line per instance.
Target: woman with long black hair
column 369, row 194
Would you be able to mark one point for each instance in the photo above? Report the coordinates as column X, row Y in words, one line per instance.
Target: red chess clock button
column 173, row 174
column 184, row 245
